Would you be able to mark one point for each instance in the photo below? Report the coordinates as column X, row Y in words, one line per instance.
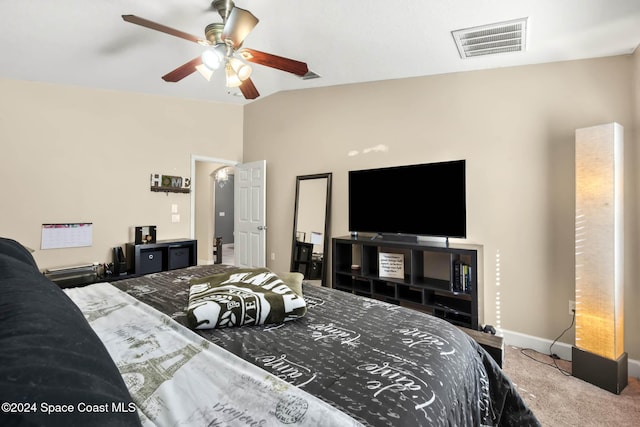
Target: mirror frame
column 327, row 222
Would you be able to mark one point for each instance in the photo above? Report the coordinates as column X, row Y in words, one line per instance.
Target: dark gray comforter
column 382, row 364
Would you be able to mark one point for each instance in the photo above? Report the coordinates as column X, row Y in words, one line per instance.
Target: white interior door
column 250, row 224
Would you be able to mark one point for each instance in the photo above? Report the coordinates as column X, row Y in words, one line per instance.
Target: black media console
column 437, row 278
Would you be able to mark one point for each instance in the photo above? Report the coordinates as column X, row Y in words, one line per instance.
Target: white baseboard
column 542, row 345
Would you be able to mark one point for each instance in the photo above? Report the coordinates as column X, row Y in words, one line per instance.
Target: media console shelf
column 436, row 278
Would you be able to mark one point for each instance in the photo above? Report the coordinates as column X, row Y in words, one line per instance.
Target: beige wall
column 514, row 126
column 70, row 154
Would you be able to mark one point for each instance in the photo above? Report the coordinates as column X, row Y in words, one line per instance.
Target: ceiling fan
column 224, row 42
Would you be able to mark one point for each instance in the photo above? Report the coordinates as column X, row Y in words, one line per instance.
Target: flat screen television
column 423, row 200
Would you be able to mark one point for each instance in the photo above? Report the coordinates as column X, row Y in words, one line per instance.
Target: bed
column 347, row 360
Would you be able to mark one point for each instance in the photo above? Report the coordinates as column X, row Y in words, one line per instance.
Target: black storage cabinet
column 179, row 257
column 150, row 260
column 431, row 282
column 161, row 256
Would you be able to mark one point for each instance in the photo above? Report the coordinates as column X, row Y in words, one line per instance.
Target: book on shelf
column 461, row 277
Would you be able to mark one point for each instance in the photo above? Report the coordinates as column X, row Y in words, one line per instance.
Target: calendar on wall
column 71, row 235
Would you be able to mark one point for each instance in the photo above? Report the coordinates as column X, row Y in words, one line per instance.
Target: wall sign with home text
column 170, row 183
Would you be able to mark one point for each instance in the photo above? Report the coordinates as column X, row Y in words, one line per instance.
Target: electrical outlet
column 273, row 256
column 572, row 307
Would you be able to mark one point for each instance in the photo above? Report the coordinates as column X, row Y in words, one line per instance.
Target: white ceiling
column 86, row 42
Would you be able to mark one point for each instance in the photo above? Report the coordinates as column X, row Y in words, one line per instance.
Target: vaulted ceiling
column 87, row 43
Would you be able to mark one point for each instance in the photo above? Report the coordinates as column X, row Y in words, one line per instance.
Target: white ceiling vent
column 508, row 36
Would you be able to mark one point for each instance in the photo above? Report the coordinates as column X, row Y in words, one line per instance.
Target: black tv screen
column 426, row 200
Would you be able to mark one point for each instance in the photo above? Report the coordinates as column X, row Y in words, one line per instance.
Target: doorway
column 249, row 225
column 205, row 208
column 222, row 187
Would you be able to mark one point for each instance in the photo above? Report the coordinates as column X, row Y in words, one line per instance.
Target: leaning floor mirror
column 311, row 227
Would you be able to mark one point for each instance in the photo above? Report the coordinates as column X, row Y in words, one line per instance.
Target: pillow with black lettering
column 242, row 297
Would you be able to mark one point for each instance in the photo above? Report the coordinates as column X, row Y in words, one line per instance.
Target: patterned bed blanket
column 381, row 364
column 177, row 378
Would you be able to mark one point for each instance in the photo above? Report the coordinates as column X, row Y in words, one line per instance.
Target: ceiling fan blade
column 274, row 61
column 238, row 26
column 164, row 29
column 249, row 90
column 182, row 71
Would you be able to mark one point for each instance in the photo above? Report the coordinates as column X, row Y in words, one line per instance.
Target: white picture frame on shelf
column 391, row 265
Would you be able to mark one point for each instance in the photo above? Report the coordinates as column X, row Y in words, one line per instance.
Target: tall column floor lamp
column 598, row 355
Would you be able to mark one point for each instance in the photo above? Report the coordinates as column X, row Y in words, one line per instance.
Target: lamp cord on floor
column 551, row 354
column 555, row 356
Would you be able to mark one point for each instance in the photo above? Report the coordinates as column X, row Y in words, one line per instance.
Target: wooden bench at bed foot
column 493, row 344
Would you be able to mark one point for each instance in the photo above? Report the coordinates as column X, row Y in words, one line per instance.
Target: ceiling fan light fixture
column 232, row 77
column 223, row 41
column 242, row 70
column 214, row 57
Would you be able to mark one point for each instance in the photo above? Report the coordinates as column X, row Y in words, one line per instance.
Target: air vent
column 503, row 37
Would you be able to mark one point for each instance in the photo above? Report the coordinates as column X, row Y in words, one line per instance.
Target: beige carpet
column 558, row 399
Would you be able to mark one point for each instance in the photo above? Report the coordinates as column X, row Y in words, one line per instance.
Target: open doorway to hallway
column 228, row 254
column 249, row 200
column 212, row 204
column 223, row 212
